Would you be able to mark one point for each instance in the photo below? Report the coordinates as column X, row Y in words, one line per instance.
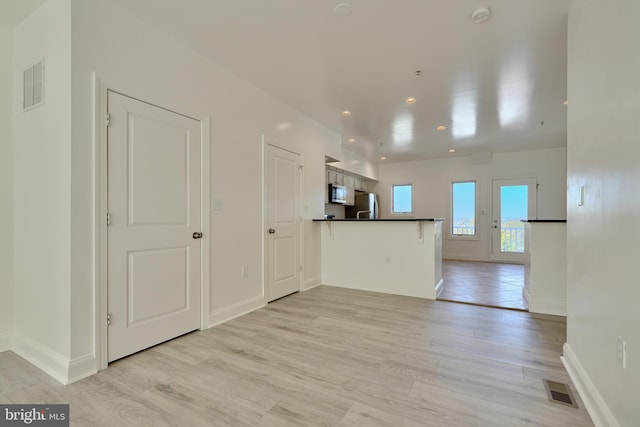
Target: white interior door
column 513, row 201
column 282, row 252
column 154, row 205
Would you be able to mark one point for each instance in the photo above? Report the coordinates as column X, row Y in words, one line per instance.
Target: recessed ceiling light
column 410, row 101
column 566, row 102
column 346, row 113
column 441, row 127
column 453, row 150
column 383, row 158
column 351, row 140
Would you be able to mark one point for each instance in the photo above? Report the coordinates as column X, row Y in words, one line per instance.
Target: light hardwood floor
column 484, row 283
column 329, row 356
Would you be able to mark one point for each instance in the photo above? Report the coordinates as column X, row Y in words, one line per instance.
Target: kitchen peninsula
column 394, row 256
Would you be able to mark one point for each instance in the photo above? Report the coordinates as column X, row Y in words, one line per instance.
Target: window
column 463, row 209
column 401, row 196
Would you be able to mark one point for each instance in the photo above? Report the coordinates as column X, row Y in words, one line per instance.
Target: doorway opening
column 514, row 200
column 499, row 283
column 489, row 284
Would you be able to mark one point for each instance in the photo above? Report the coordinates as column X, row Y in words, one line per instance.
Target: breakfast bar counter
column 395, row 256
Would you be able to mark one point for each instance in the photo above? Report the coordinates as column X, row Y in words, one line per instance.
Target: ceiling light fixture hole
column 481, row 14
column 343, row 9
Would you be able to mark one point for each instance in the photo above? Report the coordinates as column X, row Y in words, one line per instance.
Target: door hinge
column 300, row 168
column 300, row 267
column 108, row 119
column 108, row 319
column 108, row 219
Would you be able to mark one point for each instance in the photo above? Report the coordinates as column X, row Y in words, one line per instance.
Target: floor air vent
column 559, row 393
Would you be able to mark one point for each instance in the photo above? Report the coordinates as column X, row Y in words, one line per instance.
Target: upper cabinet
column 335, row 178
column 349, row 182
column 352, row 182
column 360, row 184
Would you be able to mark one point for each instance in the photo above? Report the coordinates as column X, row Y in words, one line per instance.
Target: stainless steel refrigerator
column 366, row 207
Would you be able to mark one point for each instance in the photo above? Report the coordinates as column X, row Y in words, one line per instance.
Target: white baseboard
column 556, row 308
column 236, row 310
column 5, row 341
column 82, row 367
column 598, row 410
column 312, row 283
column 51, row 362
column 463, row 257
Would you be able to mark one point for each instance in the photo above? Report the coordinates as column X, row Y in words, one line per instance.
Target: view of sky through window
column 402, row 198
column 464, row 208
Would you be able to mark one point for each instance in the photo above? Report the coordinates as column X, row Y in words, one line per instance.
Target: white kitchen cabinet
column 335, row 178
column 357, row 183
column 349, row 182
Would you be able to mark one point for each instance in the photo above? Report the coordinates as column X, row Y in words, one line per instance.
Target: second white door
column 282, row 248
column 154, row 245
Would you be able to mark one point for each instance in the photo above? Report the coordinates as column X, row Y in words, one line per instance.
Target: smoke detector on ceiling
column 481, row 14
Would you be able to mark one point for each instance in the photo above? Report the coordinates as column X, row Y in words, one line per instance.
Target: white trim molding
column 54, row 364
column 547, row 306
column 82, row 367
column 100, row 105
column 46, row 359
column 598, row 410
column 312, row 282
column 236, row 310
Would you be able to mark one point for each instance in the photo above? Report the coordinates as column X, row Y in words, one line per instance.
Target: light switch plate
column 217, row 204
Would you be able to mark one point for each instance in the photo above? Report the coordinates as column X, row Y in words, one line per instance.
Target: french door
column 514, row 200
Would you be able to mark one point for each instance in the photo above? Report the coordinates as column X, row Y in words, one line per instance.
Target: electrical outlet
column 621, row 353
column 388, row 260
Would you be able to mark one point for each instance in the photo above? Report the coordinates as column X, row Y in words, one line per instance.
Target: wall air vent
column 33, row 86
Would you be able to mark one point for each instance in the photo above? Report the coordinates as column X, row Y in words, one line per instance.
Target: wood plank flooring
column 330, row 357
column 484, row 283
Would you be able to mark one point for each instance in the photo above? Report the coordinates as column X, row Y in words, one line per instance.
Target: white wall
column 138, row 60
column 41, row 191
column 602, row 236
column 6, row 191
column 432, row 179
column 545, row 269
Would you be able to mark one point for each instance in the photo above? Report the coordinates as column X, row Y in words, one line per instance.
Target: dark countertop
column 543, row 220
column 382, row 219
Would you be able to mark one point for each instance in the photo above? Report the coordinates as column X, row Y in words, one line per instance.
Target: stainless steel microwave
column 337, row 194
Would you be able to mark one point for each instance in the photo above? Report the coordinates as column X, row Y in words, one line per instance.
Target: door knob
column 271, row 231
column 197, row 235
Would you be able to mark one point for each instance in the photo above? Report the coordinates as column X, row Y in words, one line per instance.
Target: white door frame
column 529, row 181
column 101, row 90
column 265, row 142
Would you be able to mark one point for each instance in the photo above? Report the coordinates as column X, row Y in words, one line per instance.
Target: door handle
column 197, row 235
column 271, row 231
